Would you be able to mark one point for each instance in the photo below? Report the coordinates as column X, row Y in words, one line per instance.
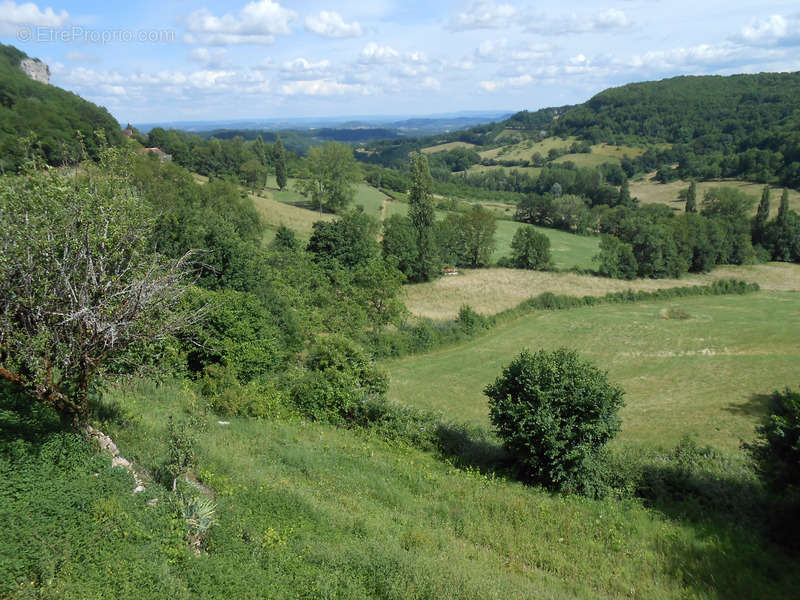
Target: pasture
column 705, row 376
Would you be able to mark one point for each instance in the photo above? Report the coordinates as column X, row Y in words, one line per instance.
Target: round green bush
column 555, row 412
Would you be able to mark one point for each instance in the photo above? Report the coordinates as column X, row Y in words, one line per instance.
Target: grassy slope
column 309, row 511
column 447, row 146
column 702, row 376
column 489, row 291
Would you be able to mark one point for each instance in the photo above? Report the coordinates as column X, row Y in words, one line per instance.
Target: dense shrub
column 340, row 378
column 530, row 249
column 777, row 452
column 554, row 413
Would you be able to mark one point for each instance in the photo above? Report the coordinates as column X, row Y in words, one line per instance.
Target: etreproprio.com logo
column 28, row 33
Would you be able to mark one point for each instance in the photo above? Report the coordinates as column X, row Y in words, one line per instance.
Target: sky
column 158, row 61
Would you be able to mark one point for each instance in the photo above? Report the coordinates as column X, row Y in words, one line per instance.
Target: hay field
column 446, row 146
column 650, row 191
column 490, row 291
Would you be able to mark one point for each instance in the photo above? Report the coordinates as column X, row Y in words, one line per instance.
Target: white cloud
column 609, row 20
column 12, row 15
column 430, row 83
column 330, row 24
column 257, row 23
column 300, row 68
column 210, row 58
column 491, row 49
column 519, row 81
column 775, row 30
column 483, row 15
column 375, row 53
column 321, row 87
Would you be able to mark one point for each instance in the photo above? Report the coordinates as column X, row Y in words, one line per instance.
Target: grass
column 590, row 160
column 447, row 146
column 531, row 171
column 525, row 149
column 275, row 213
column 309, row 511
column 568, row 250
column 489, row 291
column 371, row 199
column 704, row 376
column 649, row 191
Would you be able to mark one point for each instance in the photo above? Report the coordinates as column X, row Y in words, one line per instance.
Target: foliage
column 468, row 239
column 59, row 125
column 422, row 216
column 616, row 259
column 530, row 250
column 330, row 176
column 339, row 380
column 555, row 412
column 279, row 160
column 400, row 242
column 78, row 282
column 349, row 241
column 777, row 451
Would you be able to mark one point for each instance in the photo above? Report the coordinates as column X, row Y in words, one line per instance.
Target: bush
column 554, row 413
column 777, row 452
column 339, row 380
column 530, row 250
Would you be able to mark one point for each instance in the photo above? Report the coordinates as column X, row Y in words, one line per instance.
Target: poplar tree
column 760, row 223
column 691, row 198
column 422, row 215
column 279, row 158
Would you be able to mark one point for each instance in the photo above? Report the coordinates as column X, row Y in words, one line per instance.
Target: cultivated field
column 489, row 291
column 705, row 376
column 524, row 150
column 650, row 191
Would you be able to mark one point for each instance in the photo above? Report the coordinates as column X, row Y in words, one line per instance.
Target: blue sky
column 175, row 60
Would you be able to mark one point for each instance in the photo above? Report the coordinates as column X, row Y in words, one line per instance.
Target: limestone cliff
column 35, row 69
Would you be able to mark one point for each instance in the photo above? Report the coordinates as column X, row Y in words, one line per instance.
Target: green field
column 704, row 376
column 371, row 199
column 568, row 250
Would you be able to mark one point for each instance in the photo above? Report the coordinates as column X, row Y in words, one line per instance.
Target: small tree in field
column 530, row 249
column 555, row 412
column 78, row 282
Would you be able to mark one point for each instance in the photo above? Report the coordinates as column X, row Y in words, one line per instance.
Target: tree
column 279, row 161
column 616, row 259
column 760, row 221
column 691, row 198
column 473, row 239
column 78, row 284
column 331, row 176
column 530, row 249
column 422, row 215
column 777, row 451
column 555, row 412
column 254, row 172
column 783, row 208
column 400, row 241
column 348, row 241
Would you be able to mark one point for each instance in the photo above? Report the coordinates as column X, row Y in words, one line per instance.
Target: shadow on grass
column 472, row 447
column 23, row 418
column 756, row 406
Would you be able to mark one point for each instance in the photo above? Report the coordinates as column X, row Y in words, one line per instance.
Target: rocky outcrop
column 35, row 69
column 107, row 444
